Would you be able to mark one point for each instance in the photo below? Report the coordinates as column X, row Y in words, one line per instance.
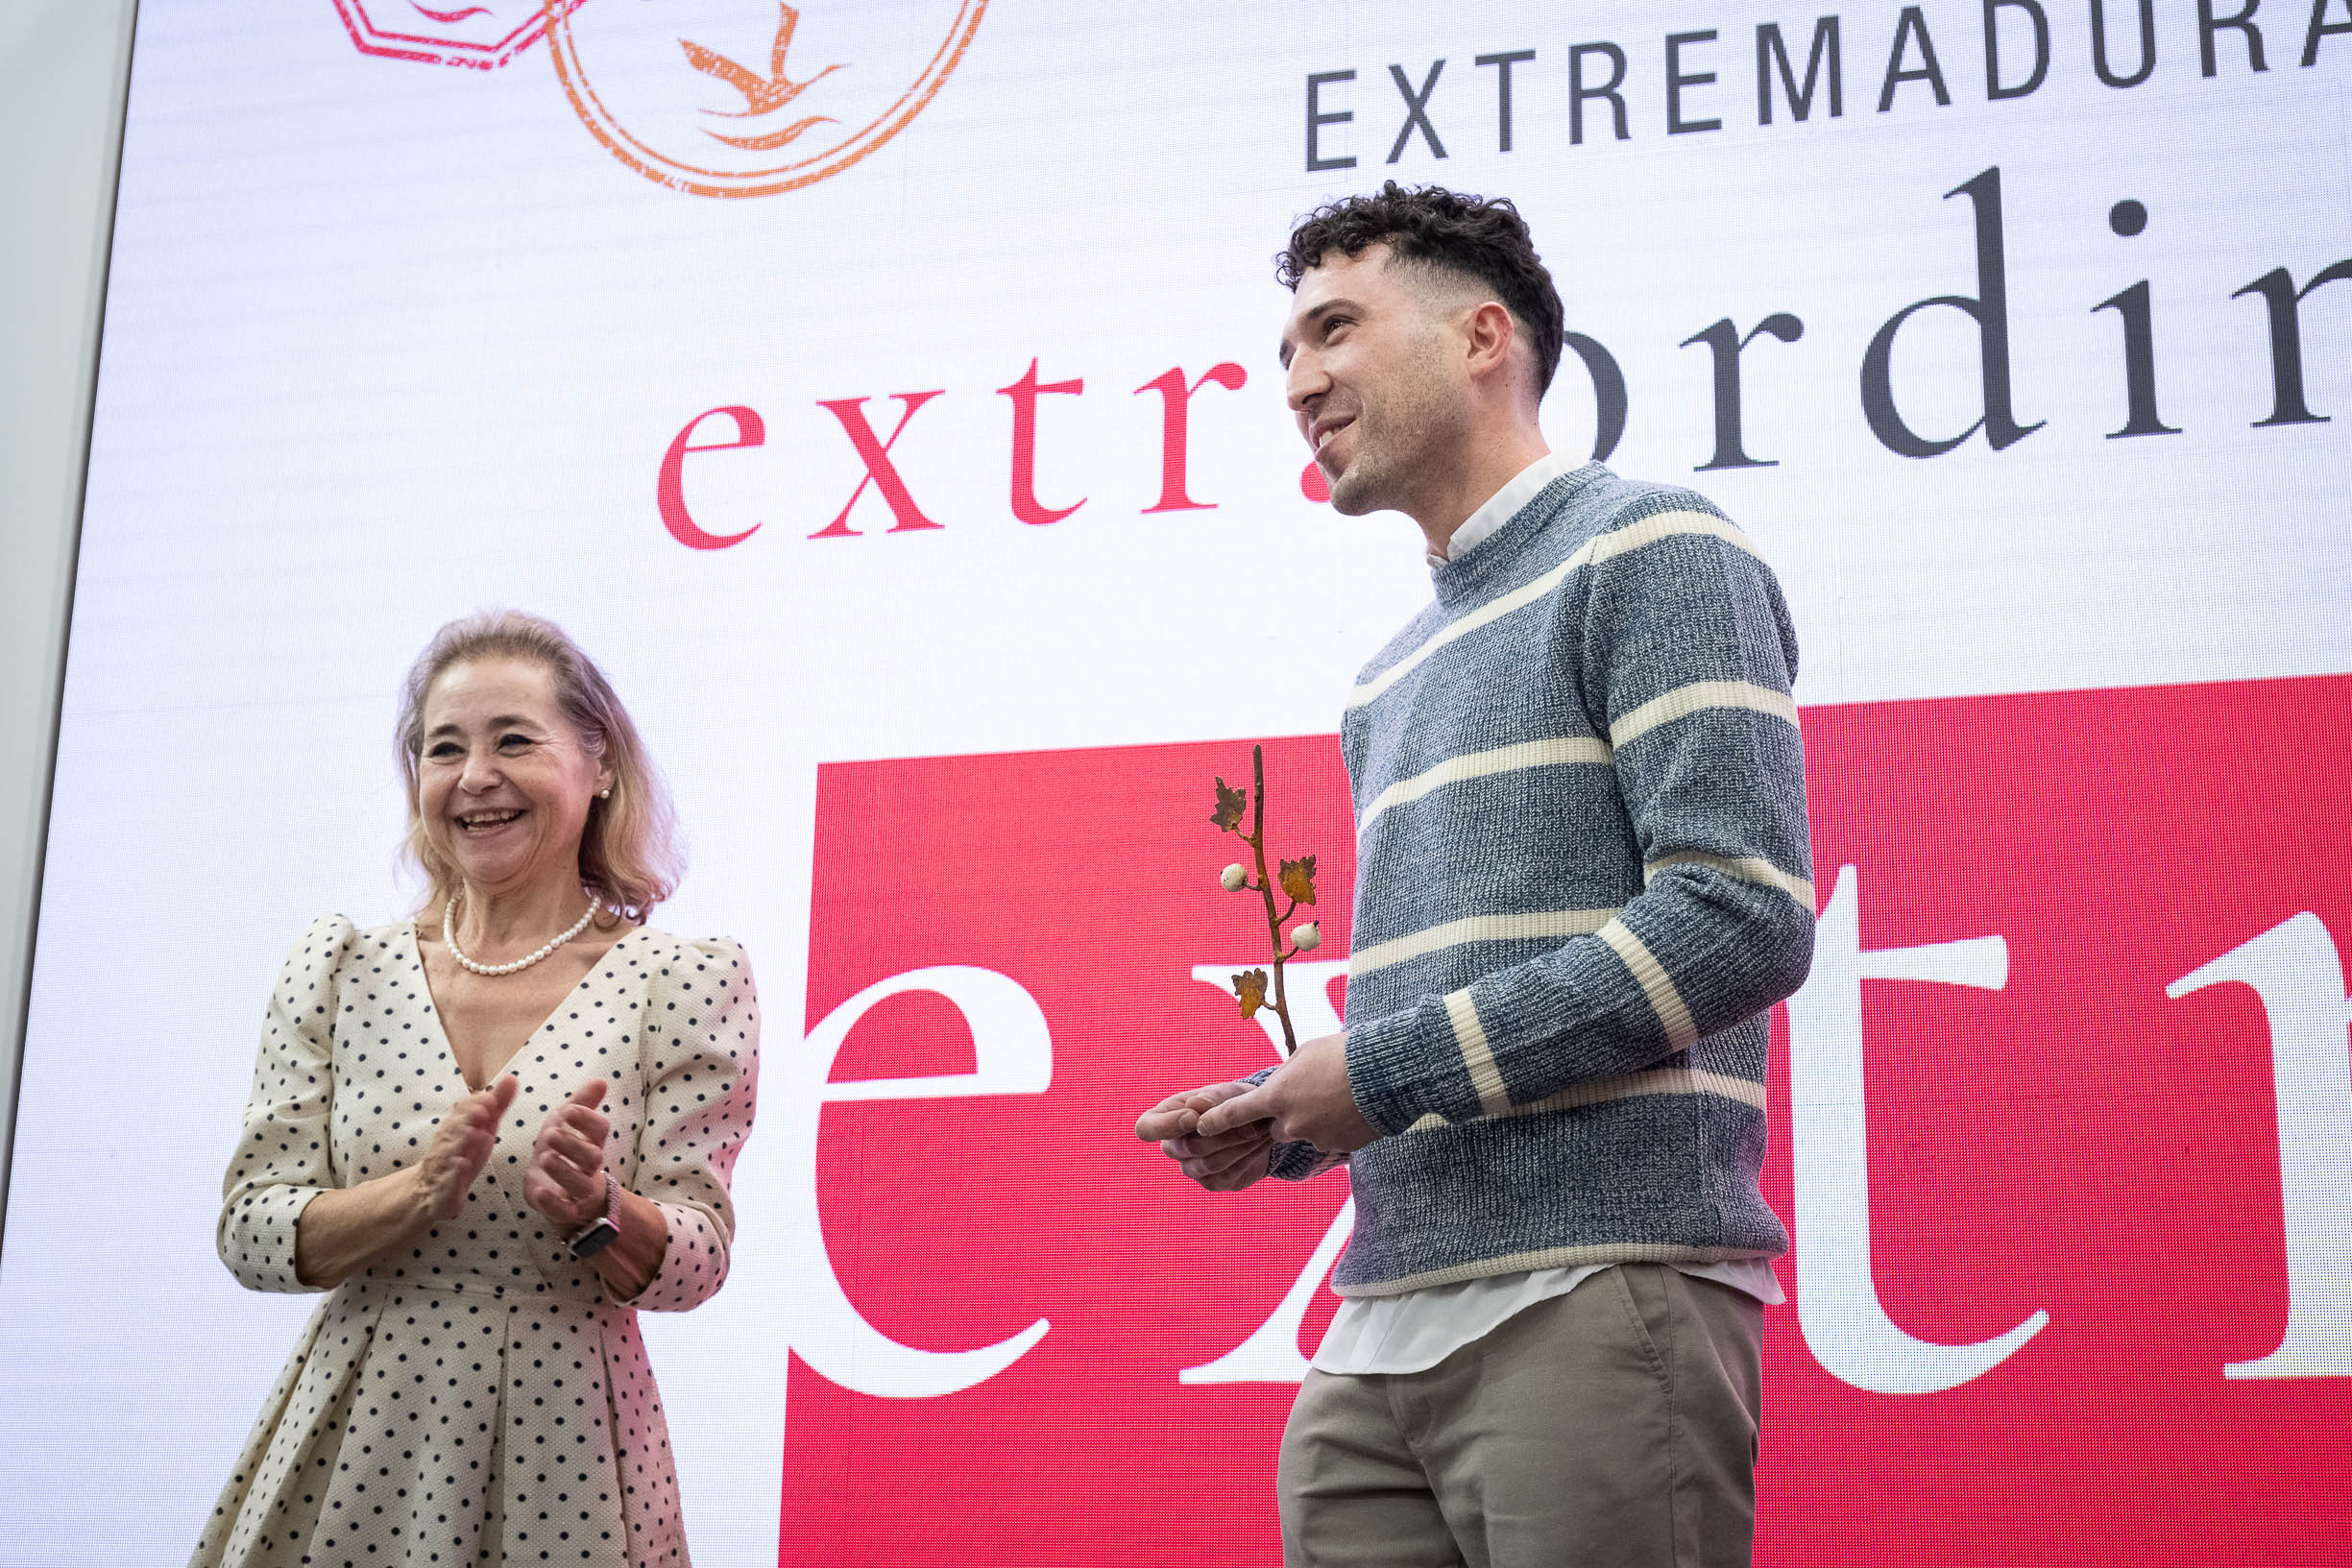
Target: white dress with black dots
column 480, row 1398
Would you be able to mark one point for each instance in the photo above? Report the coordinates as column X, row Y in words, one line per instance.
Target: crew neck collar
column 1500, row 508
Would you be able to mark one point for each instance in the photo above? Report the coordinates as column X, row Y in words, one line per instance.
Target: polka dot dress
column 478, row 1398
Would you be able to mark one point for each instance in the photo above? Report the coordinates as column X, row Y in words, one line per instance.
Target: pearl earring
column 605, row 794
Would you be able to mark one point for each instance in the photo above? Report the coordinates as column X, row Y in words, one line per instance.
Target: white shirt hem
column 1414, row 1332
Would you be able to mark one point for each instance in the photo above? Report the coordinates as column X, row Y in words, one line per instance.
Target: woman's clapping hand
column 565, row 1178
column 462, row 1146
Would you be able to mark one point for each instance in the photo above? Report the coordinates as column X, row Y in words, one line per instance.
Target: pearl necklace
column 448, row 934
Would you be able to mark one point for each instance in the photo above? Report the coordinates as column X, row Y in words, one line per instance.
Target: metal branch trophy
column 1296, row 880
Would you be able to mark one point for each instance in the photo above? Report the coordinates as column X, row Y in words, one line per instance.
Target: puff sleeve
column 701, row 1055
column 284, row 1157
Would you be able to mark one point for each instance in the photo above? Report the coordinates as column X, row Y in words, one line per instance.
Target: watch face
column 601, row 1234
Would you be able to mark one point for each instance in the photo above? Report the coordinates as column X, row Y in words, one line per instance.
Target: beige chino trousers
column 1614, row 1427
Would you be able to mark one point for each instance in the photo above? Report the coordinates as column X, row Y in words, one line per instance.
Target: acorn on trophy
column 1293, row 880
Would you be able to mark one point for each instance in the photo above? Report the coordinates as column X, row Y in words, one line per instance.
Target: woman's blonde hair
column 629, row 858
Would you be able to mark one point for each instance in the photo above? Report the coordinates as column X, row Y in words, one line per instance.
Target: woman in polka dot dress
column 493, row 1135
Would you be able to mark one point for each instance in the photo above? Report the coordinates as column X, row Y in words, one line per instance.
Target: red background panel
column 1090, row 878
column 2074, row 1143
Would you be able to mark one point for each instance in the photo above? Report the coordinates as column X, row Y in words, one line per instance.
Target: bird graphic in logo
column 765, row 94
column 659, row 120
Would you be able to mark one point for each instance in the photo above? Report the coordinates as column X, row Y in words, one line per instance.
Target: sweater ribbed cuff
column 1300, row 1162
column 1404, row 1066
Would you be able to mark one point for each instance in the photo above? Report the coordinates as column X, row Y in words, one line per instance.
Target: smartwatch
column 602, row 1231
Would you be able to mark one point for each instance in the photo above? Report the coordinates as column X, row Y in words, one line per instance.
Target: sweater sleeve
column 1685, row 659
column 702, row 1071
column 284, row 1157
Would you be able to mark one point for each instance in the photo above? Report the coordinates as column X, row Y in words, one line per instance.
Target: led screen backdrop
column 886, row 393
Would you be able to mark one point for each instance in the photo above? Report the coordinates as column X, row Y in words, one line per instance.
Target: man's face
column 1371, row 381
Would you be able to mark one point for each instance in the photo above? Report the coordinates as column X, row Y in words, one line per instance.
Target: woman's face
column 503, row 783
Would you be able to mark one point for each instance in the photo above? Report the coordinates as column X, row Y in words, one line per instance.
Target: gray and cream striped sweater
column 1582, row 876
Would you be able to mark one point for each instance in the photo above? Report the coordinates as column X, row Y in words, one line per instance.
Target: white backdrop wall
column 390, row 340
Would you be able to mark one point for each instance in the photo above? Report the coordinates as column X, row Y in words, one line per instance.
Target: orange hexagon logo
column 722, row 98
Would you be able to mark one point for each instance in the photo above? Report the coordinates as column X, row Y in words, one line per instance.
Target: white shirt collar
column 1502, row 506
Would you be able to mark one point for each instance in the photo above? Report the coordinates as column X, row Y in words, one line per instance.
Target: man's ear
column 1489, row 333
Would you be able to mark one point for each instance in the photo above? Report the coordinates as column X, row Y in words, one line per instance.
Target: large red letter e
column 670, row 492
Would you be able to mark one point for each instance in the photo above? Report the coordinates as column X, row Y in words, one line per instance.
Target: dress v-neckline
column 449, row 1051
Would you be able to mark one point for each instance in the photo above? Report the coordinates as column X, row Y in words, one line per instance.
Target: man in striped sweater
column 1582, row 878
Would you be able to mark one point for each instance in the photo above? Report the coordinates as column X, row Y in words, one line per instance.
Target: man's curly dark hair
column 1483, row 240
